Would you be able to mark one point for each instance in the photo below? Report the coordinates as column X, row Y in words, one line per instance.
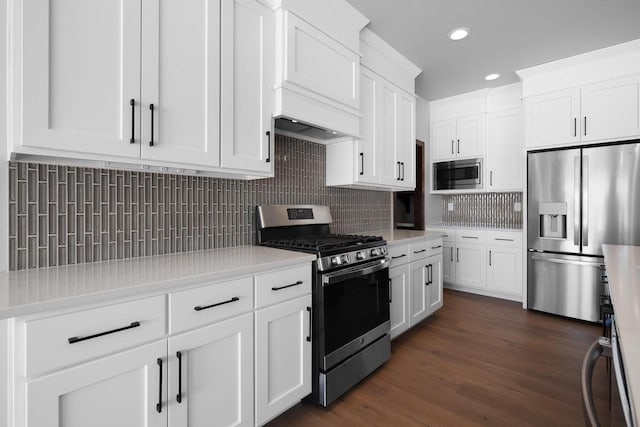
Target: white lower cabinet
column 415, row 287
column 449, row 261
column 283, row 357
column 399, row 299
column 470, row 265
column 119, row 390
column 211, row 375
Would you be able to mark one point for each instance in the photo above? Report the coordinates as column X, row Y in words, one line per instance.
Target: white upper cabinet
column 248, row 35
column 139, row 82
column 406, row 148
column 77, row 68
column 369, row 142
column 505, row 151
column 460, row 137
column 611, row 109
column 592, row 97
column 552, row 119
column 180, row 79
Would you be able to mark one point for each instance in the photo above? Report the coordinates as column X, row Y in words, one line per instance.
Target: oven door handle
column 353, row 272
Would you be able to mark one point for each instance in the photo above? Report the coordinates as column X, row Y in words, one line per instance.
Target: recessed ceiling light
column 459, row 33
column 294, row 121
column 492, row 76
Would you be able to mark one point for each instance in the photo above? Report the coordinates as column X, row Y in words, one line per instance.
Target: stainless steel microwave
column 458, row 175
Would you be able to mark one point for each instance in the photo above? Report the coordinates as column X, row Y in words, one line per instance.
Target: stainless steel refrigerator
column 578, row 200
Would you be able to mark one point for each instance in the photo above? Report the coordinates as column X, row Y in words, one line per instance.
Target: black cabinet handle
column 402, row 164
column 457, row 254
column 504, row 240
column 390, row 293
column 200, row 307
column 277, row 288
column 398, row 163
column 74, row 340
column 428, row 267
column 132, row 102
column 430, row 273
column 398, row 256
column 491, row 178
column 268, row 147
column 420, row 251
column 575, row 126
column 310, row 320
column 452, row 142
column 152, row 110
column 159, row 404
column 451, row 253
column 179, row 396
column 458, row 146
column 489, row 258
column 436, row 247
column 361, row 163
column 469, row 237
column 585, row 125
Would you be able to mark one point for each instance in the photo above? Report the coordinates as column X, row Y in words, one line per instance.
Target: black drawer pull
column 398, row 256
column 200, row 307
column 268, row 160
column 277, row 288
column 74, row 340
column 310, row 320
column 420, row 251
column 151, row 108
column 504, row 240
column 132, row 102
column 469, row 237
column 436, row 247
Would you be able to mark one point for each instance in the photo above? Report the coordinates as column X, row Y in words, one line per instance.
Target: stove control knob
column 345, row 259
column 360, row 256
column 336, row 260
column 375, row 252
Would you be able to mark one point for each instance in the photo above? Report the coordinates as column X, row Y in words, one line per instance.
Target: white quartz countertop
column 462, row 227
column 623, row 273
column 39, row 290
column 395, row 236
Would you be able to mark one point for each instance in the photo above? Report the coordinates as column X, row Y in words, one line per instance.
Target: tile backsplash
column 66, row 215
column 492, row 210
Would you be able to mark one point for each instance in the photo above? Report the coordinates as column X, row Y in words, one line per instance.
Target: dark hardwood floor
column 477, row 361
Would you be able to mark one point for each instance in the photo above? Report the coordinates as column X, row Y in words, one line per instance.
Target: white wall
column 433, row 203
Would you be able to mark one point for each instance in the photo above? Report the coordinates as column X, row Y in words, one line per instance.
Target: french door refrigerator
column 578, row 200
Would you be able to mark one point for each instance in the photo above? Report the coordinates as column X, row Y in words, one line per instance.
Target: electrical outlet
column 450, row 207
column 517, row 206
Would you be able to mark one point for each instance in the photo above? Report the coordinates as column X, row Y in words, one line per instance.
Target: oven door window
column 353, row 307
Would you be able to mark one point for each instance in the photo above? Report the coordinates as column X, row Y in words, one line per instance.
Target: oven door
column 353, row 310
column 458, row 175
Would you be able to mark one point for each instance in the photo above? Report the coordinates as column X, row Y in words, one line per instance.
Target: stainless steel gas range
column 350, row 294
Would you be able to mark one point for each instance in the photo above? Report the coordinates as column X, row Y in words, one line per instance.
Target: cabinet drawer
column 67, row 339
column 434, row 247
column 471, row 236
column 197, row 307
column 504, row 238
column 419, row 250
column 272, row 288
column 399, row 255
column 447, row 235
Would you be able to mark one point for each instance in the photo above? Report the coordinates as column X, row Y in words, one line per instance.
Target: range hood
column 298, row 129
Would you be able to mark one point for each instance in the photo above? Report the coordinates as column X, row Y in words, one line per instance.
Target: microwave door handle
column 350, row 273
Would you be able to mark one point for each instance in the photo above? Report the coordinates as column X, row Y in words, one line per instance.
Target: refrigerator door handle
column 576, row 201
column 566, row 261
column 585, row 201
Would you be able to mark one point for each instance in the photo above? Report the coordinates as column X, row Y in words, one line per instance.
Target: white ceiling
column 506, row 35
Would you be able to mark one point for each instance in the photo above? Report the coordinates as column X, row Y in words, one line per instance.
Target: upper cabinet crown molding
column 380, row 57
column 460, row 105
column 608, row 63
column 504, row 98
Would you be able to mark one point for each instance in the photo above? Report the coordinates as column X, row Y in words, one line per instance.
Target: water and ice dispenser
column 553, row 220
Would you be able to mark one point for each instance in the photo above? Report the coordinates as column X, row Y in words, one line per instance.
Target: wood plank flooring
column 477, row 361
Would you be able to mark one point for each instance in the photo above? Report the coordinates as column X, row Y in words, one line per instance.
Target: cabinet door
column 470, row 135
column 80, row 69
column 181, row 78
column 443, row 136
column 505, row 158
column 248, row 43
column 119, row 390
column 214, row 376
column 611, row 110
column 448, row 262
column 470, row 265
column 369, row 143
column 504, row 271
column 399, row 299
column 406, row 141
column 283, row 357
column 418, row 277
column 389, row 163
column 552, row 119
column 434, row 291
